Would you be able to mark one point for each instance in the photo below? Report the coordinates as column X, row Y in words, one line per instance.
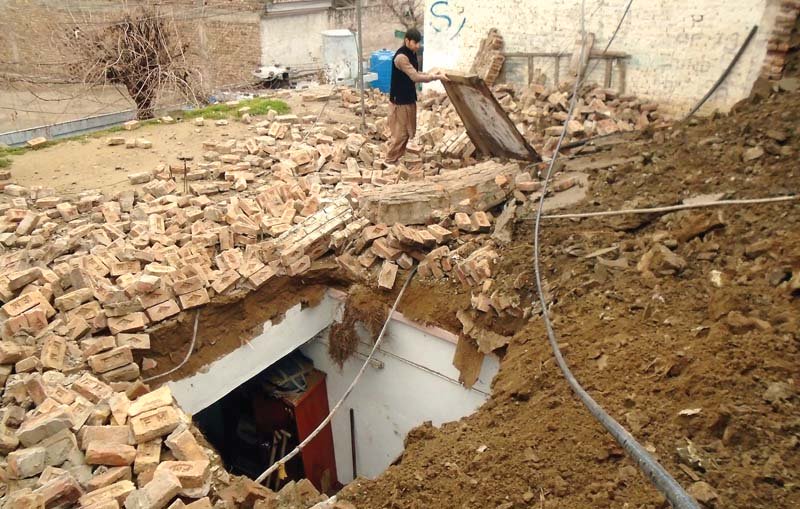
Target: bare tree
column 142, row 51
column 410, row 13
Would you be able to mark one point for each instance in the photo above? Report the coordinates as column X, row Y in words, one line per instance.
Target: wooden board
column 468, row 360
column 487, row 124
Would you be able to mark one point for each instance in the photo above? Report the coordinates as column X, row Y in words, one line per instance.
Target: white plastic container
column 340, row 55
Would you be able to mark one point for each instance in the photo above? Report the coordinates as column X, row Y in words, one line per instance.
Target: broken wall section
column 678, row 48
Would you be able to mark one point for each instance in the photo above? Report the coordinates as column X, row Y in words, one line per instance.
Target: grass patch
column 257, row 105
column 83, row 138
column 5, row 162
column 13, row 151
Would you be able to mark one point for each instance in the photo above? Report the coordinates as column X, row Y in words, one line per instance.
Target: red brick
column 388, row 275
column 192, row 474
column 109, row 477
column 154, row 424
column 118, row 491
column 184, row 446
column 226, row 281
column 115, row 455
column 194, row 299
column 126, row 373
column 148, row 455
column 139, row 341
column 91, row 388
column 61, row 491
column 156, row 494
column 132, row 322
column 112, row 359
column 163, row 311
column 188, row 285
column 96, row 345
column 105, row 434
column 21, row 304
column 151, row 401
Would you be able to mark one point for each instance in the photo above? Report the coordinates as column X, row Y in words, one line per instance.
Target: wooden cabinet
column 309, row 409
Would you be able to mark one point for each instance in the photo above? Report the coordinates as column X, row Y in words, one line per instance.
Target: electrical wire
column 268, row 472
column 658, row 476
column 611, row 40
column 421, row 367
column 672, row 208
column 188, row 353
column 316, row 120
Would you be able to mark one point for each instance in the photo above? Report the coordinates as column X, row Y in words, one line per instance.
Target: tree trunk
column 145, row 97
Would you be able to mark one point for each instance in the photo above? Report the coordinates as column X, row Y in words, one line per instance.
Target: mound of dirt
column 684, row 327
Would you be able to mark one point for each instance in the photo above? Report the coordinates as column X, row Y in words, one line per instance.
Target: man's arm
column 402, row 63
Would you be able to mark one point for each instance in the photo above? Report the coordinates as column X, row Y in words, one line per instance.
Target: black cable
column 726, row 72
column 658, row 476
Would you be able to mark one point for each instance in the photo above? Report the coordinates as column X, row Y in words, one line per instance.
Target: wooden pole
column 361, row 68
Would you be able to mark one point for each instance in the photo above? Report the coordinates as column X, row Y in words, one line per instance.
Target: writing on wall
column 447, row 19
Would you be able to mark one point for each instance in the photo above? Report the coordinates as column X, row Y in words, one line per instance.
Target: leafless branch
column 410, row 13
column 143, row 52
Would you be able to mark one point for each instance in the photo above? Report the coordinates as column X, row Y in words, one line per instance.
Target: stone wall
column 677, row 48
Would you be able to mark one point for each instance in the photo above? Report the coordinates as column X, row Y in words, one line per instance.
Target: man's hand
column 440, row 75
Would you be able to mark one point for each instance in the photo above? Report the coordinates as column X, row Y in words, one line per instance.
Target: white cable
column 336, row 407
column 188, row 354
column 671, row 208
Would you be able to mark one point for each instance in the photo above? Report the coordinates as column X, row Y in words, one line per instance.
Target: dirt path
column 77, row 165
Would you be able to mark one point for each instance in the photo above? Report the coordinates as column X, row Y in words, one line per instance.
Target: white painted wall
column 678, row 47
column 295, row 40
column 417, row 383
column 197, row 392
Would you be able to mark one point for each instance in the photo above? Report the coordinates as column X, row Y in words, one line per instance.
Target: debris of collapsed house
column 85, row 278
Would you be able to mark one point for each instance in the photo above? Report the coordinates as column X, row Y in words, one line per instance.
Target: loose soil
column 646, row 348
column 230, row 322
column 718, row 338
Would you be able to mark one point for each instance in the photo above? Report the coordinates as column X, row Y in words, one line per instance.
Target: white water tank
column 339, row 55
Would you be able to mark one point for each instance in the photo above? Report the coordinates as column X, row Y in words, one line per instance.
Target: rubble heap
column 539, row 112
column 86, row 278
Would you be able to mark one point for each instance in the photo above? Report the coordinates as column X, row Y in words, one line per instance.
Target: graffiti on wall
column 447, row 19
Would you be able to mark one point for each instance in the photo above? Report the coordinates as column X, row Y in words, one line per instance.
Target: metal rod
column 361, row 68
column 353, row 441
column 274, row 452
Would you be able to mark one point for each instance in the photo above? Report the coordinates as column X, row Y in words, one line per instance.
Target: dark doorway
column 265, row 418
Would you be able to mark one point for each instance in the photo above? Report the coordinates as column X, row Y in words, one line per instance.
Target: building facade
column 674, row 50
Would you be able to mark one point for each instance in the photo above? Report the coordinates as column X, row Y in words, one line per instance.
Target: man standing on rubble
column 403, row 94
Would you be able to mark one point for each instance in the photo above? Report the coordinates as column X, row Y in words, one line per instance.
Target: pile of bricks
column 490, row 58
column 70, row 439
column 83, row 281
column 538, row 112
column 780, row 40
